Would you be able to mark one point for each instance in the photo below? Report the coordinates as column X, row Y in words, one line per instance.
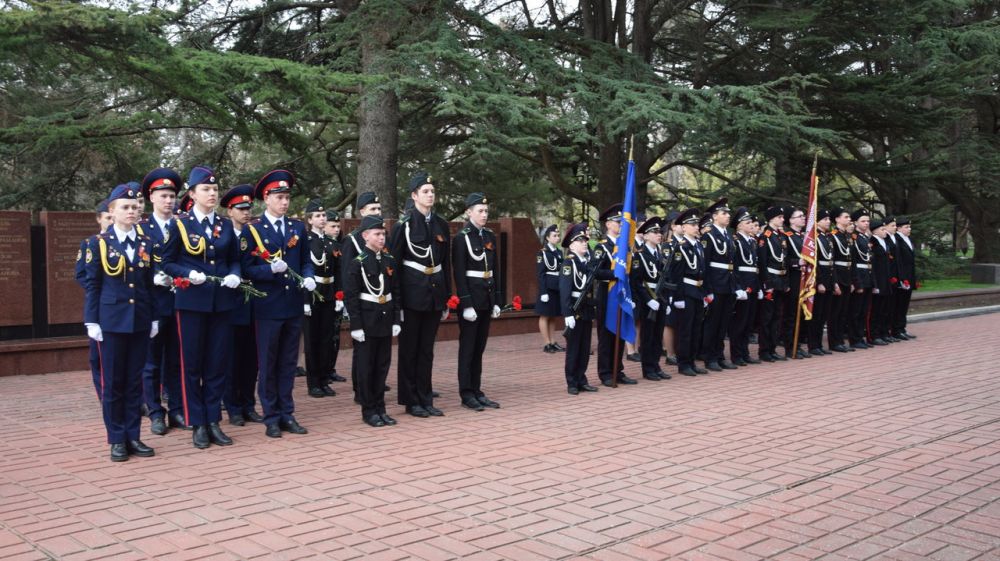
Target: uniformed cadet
column 371, row 288
column 366, row 204
column 104, row 222
column 118, row 313
column 861, row 278
column 880, row 315
column 651, row 311
column 672, row 235
column 199, row 245
column 162, row 370
column 548, row 262
column 577, row 266
column 746, row 277
column 474, row 259
column 771, row 257
column 825, row 283
column 687, row 271
column 274, row 249
column 839, row 318
column 318, row 328
column 420, row 246
column 890, row 304
column 333, row 232
column 795, row 223
column 607, row 365
column 905, row 259
column 241, row 382
column 720, row 286
column 184, row 203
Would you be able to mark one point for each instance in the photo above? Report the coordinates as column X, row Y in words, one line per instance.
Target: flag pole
column 798, row 305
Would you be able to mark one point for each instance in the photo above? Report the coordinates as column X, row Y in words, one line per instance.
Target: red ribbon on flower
column 339, row 295
column 453, row 302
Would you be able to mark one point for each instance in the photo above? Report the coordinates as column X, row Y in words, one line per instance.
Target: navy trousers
column 206, row 343
column 242, row 380
column 277, row 358
column 122, row 358
column 163, row 370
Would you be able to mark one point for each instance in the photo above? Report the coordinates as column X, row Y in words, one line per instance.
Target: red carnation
column 516, row 302
column 265, row 255
column 181, row 282
column 749, row 290
column 339, row 295
column 453, row 302
column 906, row 284
column 893, row 280
column 769, row 295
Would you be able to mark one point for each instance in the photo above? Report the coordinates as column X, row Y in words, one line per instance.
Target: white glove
column 445, row 313
column 654, row 305
column 197, row 277
column 339, row 306
column 544, row 298
column 570, row 322
column 741, row 295
column 94, row 331
column 162, row 279
column 231, row 281
column 679, row 304
column 469, row 314
column 396, row 329
column 496, row 312
column 308, row 310
column 760, row 294
column 154, row 329
column 709, row 298
column 309, row 284
column 279, row 266
column 874, row 291
column 358, row 335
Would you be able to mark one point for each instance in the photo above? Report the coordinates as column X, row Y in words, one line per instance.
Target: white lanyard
column 322, row 259
column 863, row 255
column 545, row 258
column 747, row 260
column 716, row 245
column 472, row 253
column 416, row 250
column 771, row 249
column 651, row 271
column 843, row 250
column 381, row 281
column 691, row 263
column 792, row 243
column 827, row 255
column 578, row 279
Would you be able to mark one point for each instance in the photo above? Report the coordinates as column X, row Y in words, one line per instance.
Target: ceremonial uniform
column 839, row 318
column 647, row 265
column 720, row 286
column 322, row 315
column 792, row 310
column 352, row 246
column 906, row 263
column 771, row 255
column 573, row 286
column 745, row 274
column 118, row 313
column 861, row 278
column 608, row 364
column 687, row 271
column 474, row 255
column 548, row 263
column 890, row 305
column 822, row 301
column 80, row 274
column 881, row 311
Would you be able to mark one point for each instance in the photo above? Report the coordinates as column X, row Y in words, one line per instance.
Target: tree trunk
column 378, row 138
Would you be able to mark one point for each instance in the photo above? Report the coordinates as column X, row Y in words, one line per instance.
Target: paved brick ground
column 891, row 453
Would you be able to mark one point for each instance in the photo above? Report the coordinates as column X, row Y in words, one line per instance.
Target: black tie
column 129, row 243
column 280, row 228
column 205, row 225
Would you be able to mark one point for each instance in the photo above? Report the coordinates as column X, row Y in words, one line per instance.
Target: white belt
column 422, row 268
column 842, row 263
column 825, row 263
column 553, row 273
column 692, row 282
column 747, row 269
column 479, row 274
column 778, row 272
column 368, row 297
column 323, row 280
column 717, row 265
column 863, row 266
column 574, row 294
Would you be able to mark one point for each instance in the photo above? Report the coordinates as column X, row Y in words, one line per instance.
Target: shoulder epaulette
column 789, row 233
column 405, row 218
column 767, row 233
column 854, row 236
column 255, row 221
column 465, row 230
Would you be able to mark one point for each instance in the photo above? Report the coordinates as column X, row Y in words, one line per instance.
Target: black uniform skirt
column 550, row 308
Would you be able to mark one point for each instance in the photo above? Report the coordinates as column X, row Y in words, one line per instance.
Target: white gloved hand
column 396, row 329
column 279, row 266
column 154, row 328
column 654, row 305
column 197, row 277
column 469, row 314
column 874, row 291
column 339, row 306
column 741, row 295
column 679, row 304
column 570, row 322
column 94, row 331
column 162, row 279
column 308, row 310
column 231, row 281
column 358, row 335
column 544, row 298
column 496, row 312
column 760, row 294
column 710, row 298
column 309, row 284
column 445, row 313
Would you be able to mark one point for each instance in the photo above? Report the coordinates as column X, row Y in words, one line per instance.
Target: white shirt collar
column 551, row 247
column 881, row 241
column 653, row 248
column 161, row 223
column 720, row 229
column 199, row 216
column 122, row 235
column 690, row 239
column 274, row 219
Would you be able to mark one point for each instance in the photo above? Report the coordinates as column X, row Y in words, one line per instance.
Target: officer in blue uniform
column 548, row 262
column 118, row 312
column 273, row 247
column 611, row 218
column 579, row 323
column 103, row 223
column 160, row 188
column 686, row 270
column 241, row 381
column 200, row 245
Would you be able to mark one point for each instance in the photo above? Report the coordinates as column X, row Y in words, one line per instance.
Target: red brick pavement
column 891, row 453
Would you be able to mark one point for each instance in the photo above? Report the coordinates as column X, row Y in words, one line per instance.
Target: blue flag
column 619, row 291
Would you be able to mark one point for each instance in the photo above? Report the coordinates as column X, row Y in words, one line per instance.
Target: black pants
column 739, row 329
column 239, row 395
column 791, row 311
column 821, row 311
column 578, row 353
column 472, row 336
column 334, row 352
column 860, row 308
column 902, row 307
column 374, row 356
column 880, row 316
column 415, row 358
column 770, row 321
column 837, row 321
column 606, row 350
column 687, row 331
column 718, row 316
column 651, row 339
column 319, row 334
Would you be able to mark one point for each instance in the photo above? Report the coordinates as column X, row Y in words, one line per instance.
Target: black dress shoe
column 157, row 426
column 893, row 339
column 623, row 379
column 316, row 392
column 750, row 360
column 433, row 411
column 766, row 357
column 663, row 375
column 634, row 357
column 587, row 388
column 879, row 342
column 713, row 366
column 573, row 390
column 687, row 371
column 739, row 362
column 778, row 357
column 671, row 360
column 861, row 346
column 299, row 372
column 337, row 377
column 472, row 403
column 216, row 435
column 237, row 420
column 119, row 453
column 253, row 416
column 137, row 448
column 803, row 353
column 549, row 349
column 559, row 348
column 698, row 370
column 328, row 391
column 417, row 411
column 374, row 420
column 293, row 427
column 606, row 383
column 816, row 352
column 273, row 431
column 839, row 348
column 726, row 365
column 176, row 420
column 908, row 336
column 434, row 394
column 652, row 377
column 487, row 402
column 200, row 438
column 389, row 421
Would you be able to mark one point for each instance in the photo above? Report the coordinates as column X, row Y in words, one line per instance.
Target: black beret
column 613, row 212
column 315, row 205
column 365, row 199
column 418, row 181
column 876, row 224
column 476, row 199
column 372, row 221
column 789, row 211
column 773, row 212
column 332, row 215
column 574, row 232
column 889, row 219
column 836, row 212
column 856, row 215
